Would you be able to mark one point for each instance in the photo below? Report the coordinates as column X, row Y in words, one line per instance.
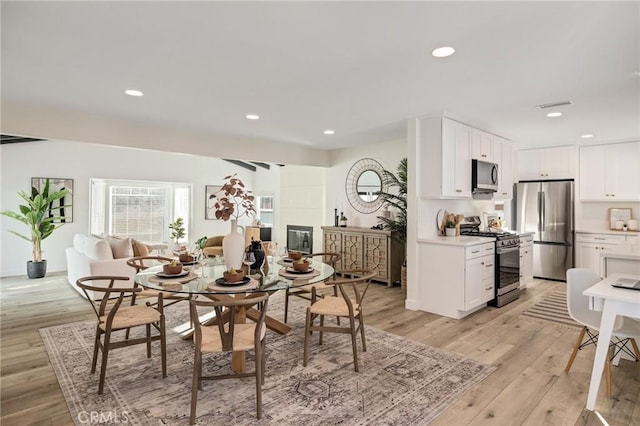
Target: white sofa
column 91, row 256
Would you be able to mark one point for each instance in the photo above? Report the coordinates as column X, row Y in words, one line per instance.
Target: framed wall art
column 618, row 215
column 65, row 204
column 209, row 201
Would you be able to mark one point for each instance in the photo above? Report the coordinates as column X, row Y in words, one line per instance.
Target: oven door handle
column 507, row 250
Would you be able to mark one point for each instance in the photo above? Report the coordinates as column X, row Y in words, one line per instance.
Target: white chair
column 625, row 330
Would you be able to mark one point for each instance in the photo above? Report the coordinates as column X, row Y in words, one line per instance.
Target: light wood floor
column 529, row 386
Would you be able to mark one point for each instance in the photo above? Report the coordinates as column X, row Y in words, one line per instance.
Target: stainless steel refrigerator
column 546, row 209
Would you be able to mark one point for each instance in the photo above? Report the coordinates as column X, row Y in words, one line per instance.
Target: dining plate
column 221, row 281
column 290, row 270
column 181, row 274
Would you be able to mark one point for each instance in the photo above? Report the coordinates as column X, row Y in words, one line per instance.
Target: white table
column 611, row 301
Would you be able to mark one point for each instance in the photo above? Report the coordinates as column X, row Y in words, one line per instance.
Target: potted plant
column 450, row 228
column 39, row 215
column 394, row 195
column 232, row 202
column 177, row 230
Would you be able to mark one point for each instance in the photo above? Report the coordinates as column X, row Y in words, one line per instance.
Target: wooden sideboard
column 364, row 248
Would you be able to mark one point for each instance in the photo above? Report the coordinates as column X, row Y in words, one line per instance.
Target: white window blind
column 138, row 209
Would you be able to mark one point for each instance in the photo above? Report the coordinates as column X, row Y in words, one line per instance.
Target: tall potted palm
column 395, row 197
column 39, row 214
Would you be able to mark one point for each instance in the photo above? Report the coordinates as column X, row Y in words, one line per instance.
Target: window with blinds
column 138, row 209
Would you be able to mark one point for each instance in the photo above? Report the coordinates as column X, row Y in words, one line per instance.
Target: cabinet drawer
column 488, row 267
column 480, row 250
column 488, row 284
column 526, row 241
column 599, row 238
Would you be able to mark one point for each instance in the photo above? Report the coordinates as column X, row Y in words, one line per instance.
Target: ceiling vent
column 17, row 139
column 555, row 104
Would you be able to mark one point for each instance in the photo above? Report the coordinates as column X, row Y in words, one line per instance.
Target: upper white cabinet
column 610, row 172
column 482, row 146
column 502, row 156
column 445, row 158
column 546, row 163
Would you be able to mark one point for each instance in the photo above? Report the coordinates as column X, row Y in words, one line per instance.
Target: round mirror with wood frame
column 363, row 185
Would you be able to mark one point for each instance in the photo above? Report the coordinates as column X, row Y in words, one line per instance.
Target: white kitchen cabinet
column 459, row 280
column 445, row 158
column 482, row 146
column 502, row 156
column 546, row 163
column 526, row 260
column 610, row 172
column 589, row 248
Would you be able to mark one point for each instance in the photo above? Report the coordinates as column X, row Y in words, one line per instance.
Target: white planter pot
column 450, row 232
column 233, row 247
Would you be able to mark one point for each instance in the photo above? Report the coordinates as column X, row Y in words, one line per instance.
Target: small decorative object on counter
column 343, row 220
column 335, row 215
column 450, row 230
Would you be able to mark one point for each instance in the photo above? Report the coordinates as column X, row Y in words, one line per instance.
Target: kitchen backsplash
column 428, row 210
column 595, row 216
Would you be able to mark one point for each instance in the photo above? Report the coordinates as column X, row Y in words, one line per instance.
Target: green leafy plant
column 233, row 200
column 38, row 215
column 200, row 242
column 177, row 230
column 450, row 224
column 394, row 196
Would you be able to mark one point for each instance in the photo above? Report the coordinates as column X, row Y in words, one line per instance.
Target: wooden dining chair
column 353, row 287
column 229, row 336
column 140, row 263
column 304, row 291
column 117, row 317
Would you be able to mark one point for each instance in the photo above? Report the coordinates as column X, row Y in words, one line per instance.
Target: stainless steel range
column 507, row 260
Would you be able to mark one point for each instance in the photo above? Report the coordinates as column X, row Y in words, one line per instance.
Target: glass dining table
column 207, row 280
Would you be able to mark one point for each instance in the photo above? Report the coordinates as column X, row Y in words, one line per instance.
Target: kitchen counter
column 462, row 240
column 607, row 232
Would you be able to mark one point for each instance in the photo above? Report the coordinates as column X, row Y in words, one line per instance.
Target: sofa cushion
column 78, row 242
column 139, row 249
column 120, row 247
column 97, row 248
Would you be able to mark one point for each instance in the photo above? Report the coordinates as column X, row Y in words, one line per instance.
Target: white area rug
column 400, row 382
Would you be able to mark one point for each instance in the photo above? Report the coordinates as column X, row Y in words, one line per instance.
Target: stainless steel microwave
column 484, row 177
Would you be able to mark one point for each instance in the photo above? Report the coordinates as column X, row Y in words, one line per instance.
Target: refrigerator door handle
column 539, row 211
column 543, row 212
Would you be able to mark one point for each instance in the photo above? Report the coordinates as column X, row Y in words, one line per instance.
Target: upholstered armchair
column 213, row 246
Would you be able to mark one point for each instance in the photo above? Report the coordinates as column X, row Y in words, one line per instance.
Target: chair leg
column 163, row 346
column 320, row 332
column 307, row 334
column 361, row 325
column 96, row 345
column 354, row 346
column 258, row 373
column 576, row 346
column 286, row 304
column 195, row 385
column 148, row 327
column 103, row 366
column 264, row 359
column 635, row 348
column 607, row 371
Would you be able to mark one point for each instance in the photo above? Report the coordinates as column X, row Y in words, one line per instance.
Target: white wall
column 302, row 201
column 82, row 161
column 388, row 154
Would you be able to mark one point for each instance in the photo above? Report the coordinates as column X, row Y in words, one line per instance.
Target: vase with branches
column 232, row 202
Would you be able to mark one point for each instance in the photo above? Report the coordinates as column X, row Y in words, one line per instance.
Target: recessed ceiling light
column 587, row 136
column 329, row 132
column 443, row 52
column 132, row 92
column 252, row 117
column 554, row 114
